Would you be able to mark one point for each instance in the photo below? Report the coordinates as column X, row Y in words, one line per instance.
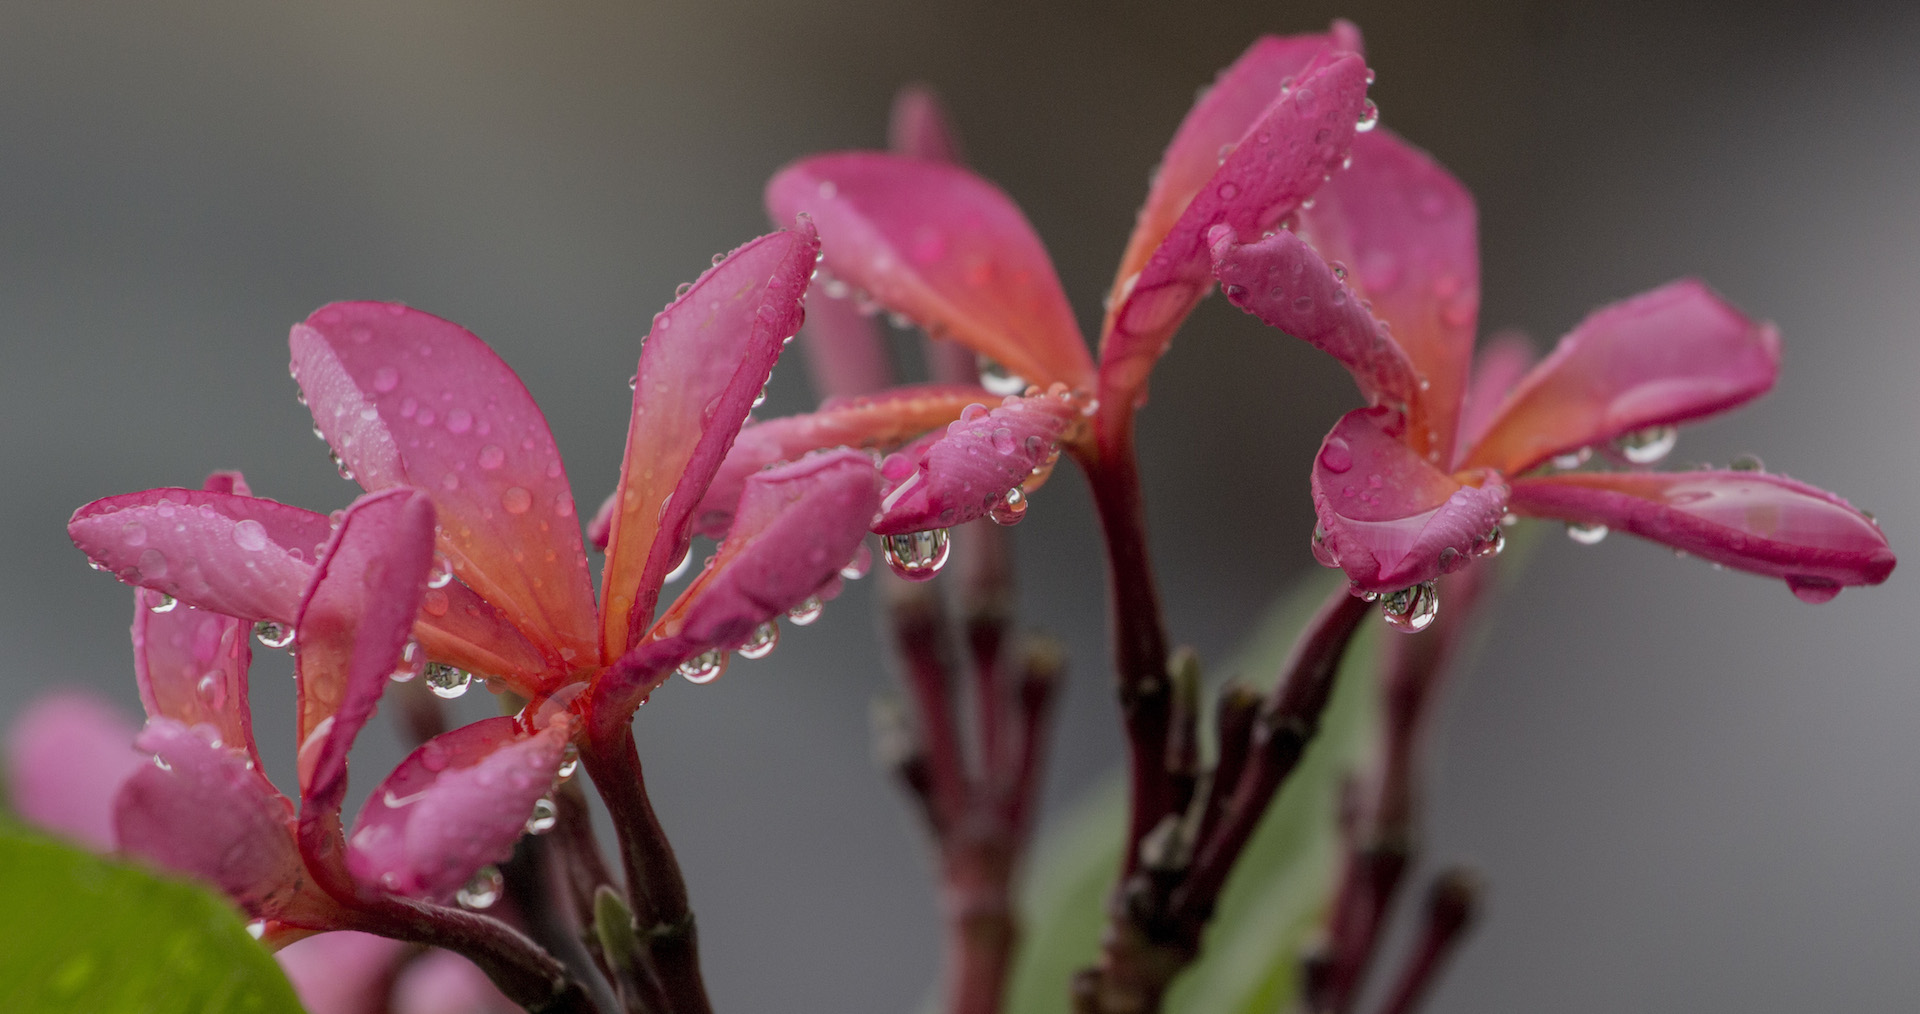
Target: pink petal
column 355, row 620
column 798, row 523
column 846, row 354
column 1299, row 138
column 1672, row 355
column 706, row 360
column 961, row 474
column 457, row 803
column 238, row 555
column 442, row 982
column 1506, row 358
column 880, row 422
column 944, row 247
column 407, row 398
column 1387, row 517
column 208, row 812
column 1219, row 120
column 1751, row 521
column 458, row 627
column 67, row 754
column 920, row 128
column 1281, row 280
column 343, row 972
column 1405, row 229
column 192, row 667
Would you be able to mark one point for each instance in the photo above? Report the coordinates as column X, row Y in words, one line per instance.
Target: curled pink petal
column 1300, row 137
column 961, row 474
column 706, row 360
column 192, row 667
column 944, row 247
column 1672, row 355
column 442, row 982
column 1218, row 121
column 798, row 523
column 1751, row 521
column 880, row 422
column 1505, row 360
column 1281, row 280
column 351, row 629
column 1406, row 231
column 919, row 127
column 67, row 755
column 407, row 398
column 457, row 803
column 208, row 812
column 238, row 555
column 343, row 972
column 1387, row 517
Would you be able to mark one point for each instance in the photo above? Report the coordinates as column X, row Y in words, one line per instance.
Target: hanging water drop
column 1586, row 534
column 1813, row 590
column 857, row 567
column 483, row 890
column 680, row 569
column 807, row 611
column 412, row 661
column 1411, row 610
column 440, row 572
column 446, row 681
column 1647, row 446
column 543, row 817
column 272, row 635
column 1494, row 544
column 917, row 556
column 761, row 643
column 1009, row 509
column 569, row 763
column 1369, row 117
column 1572, row 459
column 998, row 380
column 340, row 466
column 704, row 667
column 163, row 603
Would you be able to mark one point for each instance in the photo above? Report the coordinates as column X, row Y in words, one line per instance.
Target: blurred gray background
column 1689, row 791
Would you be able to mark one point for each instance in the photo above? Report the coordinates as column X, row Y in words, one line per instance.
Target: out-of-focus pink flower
column 67, row 754
column 358, row 973
column 1383, row 274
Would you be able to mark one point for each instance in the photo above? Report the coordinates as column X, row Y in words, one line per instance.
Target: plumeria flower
column 917, row 235
column 1383, row 274
column 464, row 558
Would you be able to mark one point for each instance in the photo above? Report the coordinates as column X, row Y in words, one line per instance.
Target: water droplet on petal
column 385, row 379
column 1493, row 544
column 412, row 661
column 917, row 556
column 857, row 567
column 569, row 763
column 516, row 500
column 1647, row 446
column 1573, row 459
column 1336, row 455
column 1586, row 534
column 213, row 690
column 807, row 611
column 1411, row 610
column 1003, row 440
column 439, row 572
column 680, row 569
column 545, row 815
column 1747, row 463
column 447, row 682
column 1009, row 509
column 492, row 457
column 704, row 667
column 761, row 643
column 997, row 380
column 250, row 535
column 483, row 890
column 163, row 603
column 272, row 635
column 1813, row 590
column 1369, row 117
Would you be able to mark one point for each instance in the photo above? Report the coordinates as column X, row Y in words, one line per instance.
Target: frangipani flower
column 1384, row 275
column 464, row 556
column 936, row 244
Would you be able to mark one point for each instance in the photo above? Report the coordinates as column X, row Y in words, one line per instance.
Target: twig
column 1452, row 906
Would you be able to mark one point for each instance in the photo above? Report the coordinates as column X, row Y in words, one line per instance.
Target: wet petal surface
column 192, row 667
column 961, row 474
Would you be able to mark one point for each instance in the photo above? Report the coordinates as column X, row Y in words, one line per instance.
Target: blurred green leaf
column 83, row 934
column 1273, row 904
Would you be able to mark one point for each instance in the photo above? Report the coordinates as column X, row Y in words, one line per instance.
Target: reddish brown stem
column 920, row 637
column 1139, row 633
column 1452, row 906
column 656, row 890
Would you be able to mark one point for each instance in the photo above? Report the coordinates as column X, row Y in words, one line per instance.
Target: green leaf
column 81, row 933
column 1275, row 901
